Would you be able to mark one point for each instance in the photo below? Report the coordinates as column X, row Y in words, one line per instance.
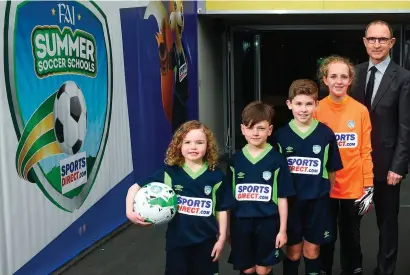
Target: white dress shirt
column 381, row 69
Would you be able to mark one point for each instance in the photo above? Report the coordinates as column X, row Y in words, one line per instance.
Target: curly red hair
column 174, row 155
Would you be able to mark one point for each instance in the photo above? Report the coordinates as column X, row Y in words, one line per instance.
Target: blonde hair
column 324, row 67
column 174, row 155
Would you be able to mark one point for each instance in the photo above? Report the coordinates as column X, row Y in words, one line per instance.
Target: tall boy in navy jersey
column 313, row 157
column 261, row 183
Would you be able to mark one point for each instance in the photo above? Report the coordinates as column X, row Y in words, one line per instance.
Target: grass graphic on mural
column 54, row 178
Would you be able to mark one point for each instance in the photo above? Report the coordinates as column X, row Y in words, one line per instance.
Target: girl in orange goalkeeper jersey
column 352, row 192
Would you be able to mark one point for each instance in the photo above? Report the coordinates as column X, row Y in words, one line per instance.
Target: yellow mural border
column 290, row 5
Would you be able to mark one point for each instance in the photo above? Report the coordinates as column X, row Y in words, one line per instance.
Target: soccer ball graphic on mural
column 70, row 117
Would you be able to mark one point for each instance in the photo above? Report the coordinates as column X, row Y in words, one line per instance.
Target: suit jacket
column 390, row 118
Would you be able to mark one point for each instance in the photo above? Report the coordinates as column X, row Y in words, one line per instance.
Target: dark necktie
column 370, row 88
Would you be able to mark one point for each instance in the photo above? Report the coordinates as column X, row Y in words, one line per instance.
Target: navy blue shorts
column 309, row 220
column 253, row 242
column 194, row 259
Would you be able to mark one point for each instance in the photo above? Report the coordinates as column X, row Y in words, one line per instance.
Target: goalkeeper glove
column 364, row 202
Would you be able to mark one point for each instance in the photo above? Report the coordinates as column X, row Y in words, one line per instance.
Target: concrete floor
column 140, row 251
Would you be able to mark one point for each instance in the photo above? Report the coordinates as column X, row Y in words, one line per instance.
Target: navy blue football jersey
column 257, row 183
column 200, row 195
column 310, row 156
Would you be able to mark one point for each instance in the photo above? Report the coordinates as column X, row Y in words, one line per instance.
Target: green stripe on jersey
column 214, row 190
column 279, row 147
column 275, row 187
column 325, row 159
column 167, row 179
column 233, row 180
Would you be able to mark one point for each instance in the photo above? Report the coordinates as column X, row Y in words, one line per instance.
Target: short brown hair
column 324, row 67
column 303, row 87
column 174, row 155
column 256, row 112
column 379, row 22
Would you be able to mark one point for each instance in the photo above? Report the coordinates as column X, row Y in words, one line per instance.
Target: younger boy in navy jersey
column 261, row 183
column 313, row 157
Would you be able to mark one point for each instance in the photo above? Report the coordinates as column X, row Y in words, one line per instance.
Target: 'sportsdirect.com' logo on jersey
column 302, row 165
column 253, row 192
column 346, row 140
column 194, row 206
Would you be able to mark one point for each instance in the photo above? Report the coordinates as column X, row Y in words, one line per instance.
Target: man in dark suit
column 384, row 88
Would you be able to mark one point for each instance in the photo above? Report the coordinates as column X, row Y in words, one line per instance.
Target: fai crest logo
column 351, row 124
column 207, row 190
column 266, row 175
column 316, row 149
column 59, row 92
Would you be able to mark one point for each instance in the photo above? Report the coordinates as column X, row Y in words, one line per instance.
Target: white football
column 156, row 203
column 70, row 118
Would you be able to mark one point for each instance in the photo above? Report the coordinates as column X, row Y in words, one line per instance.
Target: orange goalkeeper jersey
column 350, row 121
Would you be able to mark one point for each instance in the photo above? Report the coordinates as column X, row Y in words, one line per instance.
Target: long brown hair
column 174, row 155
